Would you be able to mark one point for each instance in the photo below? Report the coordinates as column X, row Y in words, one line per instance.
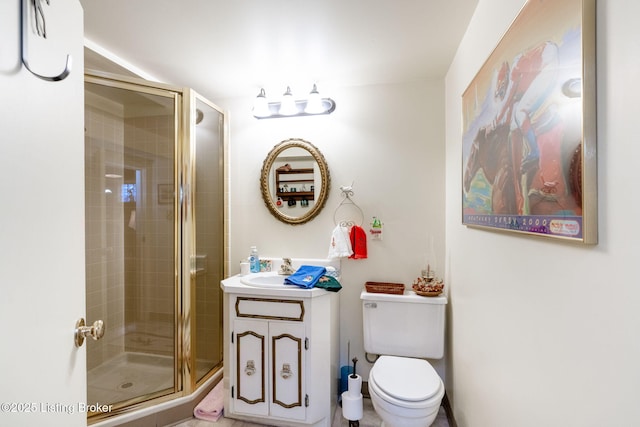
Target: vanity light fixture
column 290, row 107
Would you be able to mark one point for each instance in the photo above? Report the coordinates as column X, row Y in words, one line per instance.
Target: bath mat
column 211, row 407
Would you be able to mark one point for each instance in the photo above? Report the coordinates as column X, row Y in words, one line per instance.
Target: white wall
column 41, row 223
column 388, row 140
column 545, row 333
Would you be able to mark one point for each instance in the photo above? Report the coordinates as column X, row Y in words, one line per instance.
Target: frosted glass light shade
column 288, row 105
column 314, row 102
column 261, row 105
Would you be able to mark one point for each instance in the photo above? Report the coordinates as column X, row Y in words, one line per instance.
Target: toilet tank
column 403, row 325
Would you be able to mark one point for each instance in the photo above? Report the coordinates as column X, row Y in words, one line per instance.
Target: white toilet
column 403, row 329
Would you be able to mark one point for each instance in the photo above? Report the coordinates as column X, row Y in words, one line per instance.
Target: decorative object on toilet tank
column 427, row 286
column 289, row 107
column 533, row 104
column 431, row 260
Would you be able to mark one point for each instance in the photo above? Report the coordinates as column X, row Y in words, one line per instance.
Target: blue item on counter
column 306, row 276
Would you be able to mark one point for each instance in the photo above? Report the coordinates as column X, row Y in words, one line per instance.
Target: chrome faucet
column 286, row 268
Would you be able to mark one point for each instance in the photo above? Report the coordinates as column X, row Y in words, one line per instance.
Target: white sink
column 267, row 279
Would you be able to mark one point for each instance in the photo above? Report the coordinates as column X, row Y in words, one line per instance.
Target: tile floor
column 370, row 419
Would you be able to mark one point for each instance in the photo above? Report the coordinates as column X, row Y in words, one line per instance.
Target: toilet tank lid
column 406, row 378
column 408, row 296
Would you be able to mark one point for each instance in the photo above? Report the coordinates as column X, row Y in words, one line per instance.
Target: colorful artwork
column 529, row 126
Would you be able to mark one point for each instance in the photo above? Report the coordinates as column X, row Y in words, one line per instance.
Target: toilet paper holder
column 352, row 407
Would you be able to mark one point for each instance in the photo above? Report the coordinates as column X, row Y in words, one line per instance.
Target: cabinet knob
column 250, row 369
column 286, row 371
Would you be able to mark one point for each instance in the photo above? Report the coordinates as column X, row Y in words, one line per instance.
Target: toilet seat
column 407, row 382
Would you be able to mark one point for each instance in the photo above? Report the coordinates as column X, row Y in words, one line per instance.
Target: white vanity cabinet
column 281, row 355
column 268, row 377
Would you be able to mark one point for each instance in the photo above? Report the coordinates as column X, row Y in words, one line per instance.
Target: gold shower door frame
column 187, row 262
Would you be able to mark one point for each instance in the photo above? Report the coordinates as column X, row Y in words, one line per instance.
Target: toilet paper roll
column 355, row 385
column 351, row 406
column 345, row 371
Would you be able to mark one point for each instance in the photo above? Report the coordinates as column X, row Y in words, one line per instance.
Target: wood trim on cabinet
column 298, row 318
column 274, row 370
column 239, row 370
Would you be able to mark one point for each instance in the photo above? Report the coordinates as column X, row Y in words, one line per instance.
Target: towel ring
column 347, row 192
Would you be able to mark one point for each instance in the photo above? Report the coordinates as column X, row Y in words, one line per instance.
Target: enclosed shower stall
column 155, row 227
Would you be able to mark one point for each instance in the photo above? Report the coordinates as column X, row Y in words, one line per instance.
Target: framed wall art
column 529, row 127
column 165, row 194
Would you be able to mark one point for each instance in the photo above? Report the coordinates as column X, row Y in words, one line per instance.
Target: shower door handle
column 95, row 331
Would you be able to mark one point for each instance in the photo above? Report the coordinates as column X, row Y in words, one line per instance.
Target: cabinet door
column 287, row 370
column 251, row 343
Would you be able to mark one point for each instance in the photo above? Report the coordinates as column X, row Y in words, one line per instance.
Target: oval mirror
column 295, row 181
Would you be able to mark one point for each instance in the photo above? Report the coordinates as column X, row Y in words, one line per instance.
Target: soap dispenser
column 254, row 260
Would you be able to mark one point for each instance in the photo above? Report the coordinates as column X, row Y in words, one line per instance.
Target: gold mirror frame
column 266, row 173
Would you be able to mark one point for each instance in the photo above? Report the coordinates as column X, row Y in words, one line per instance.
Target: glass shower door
column 130, row 179
column 209, row 228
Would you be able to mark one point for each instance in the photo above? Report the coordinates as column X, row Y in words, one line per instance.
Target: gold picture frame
column 529, row 127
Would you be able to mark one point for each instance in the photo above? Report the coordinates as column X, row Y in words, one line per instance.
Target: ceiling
column 232, row 48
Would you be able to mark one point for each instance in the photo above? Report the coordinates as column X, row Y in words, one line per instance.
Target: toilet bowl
column 405, row 392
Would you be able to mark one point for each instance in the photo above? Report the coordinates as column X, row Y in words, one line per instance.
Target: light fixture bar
column 313, row 106
column 274, row 107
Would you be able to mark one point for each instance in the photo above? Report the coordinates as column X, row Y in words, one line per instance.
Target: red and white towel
column 348, row 242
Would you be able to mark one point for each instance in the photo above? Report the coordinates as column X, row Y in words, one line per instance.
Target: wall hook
column 41, row 28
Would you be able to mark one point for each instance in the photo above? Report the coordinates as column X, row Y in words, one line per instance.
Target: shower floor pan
column 127, row 376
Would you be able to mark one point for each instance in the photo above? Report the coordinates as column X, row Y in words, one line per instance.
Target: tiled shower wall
column 104, row 135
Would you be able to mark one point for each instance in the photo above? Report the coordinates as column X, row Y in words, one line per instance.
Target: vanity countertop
column 233, row 285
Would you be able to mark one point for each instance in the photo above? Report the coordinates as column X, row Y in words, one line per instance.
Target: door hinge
column 306, row 400
column 306, row 343
column 231, row 337
column 232, row 396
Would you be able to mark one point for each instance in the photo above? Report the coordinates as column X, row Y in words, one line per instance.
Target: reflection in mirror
column 295, row 181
